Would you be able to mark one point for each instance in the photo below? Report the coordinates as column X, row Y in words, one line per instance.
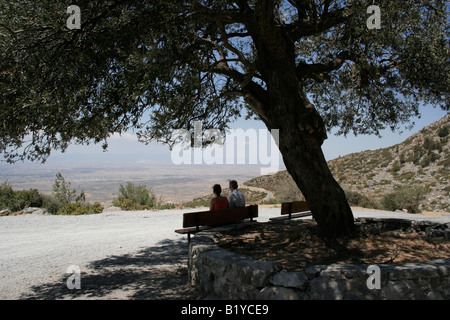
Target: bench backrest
column 219, row 217
column 293, row 207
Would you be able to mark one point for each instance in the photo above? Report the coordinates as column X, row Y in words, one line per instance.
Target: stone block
column 323, row 288
column 290, row 279
column 278, row 293
column 402, row 290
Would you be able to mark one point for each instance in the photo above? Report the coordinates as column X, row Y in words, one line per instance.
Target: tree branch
column 225, row 16
column 307, row 27
column 318, row 71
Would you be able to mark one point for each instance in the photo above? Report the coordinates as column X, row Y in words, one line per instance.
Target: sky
column 126, row 148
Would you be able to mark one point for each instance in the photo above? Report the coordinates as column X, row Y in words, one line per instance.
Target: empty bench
column 194, row 222
column 292, row 210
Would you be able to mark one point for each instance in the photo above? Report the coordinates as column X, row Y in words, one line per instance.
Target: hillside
column 422, row 161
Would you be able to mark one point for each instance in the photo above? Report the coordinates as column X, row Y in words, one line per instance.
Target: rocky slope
column 422, row 160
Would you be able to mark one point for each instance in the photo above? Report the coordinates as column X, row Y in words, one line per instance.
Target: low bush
column 18, row 200
column 55, row 204
column 444, row 131
column 127, row 204
column 51, row 204
column 79, row 208
column 6, row 196
column 405, row 197
column 133, row 197
column 429, row 158
column 359, row 200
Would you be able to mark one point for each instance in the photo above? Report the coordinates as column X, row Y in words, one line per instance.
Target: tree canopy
column 158, row 65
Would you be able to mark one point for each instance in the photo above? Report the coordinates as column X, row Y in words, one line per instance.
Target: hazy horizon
column 99, row 174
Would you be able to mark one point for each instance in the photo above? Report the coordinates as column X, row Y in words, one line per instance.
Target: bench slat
column 219, row 217
column 190, row 230
column 293, row 216
column 293, row 207
column 194, row 222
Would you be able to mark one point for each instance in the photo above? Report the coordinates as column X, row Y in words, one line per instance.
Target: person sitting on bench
column 236, row 198
column 218, row 202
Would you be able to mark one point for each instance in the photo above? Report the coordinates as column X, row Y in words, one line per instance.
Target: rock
column 411, row 230
column 447, row 233
column 228, row 275
column 278, row 293
column 290, row 279
column 375, row 230
column 324, row 288
column 33, row 210
column 395, row 234
column 433, row 233
column 5, row 212
column 403, row 290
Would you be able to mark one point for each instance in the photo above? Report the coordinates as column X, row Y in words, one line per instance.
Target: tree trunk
column 304, row 160
column 300, row 145
column 302, row 131
column 301, row 135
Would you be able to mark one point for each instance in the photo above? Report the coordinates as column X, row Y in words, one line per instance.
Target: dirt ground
column 295, row 245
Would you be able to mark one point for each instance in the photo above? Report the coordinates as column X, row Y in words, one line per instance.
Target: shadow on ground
column 158, row 272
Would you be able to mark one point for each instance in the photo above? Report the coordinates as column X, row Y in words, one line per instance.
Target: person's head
column 217, row 189
column 233, row 184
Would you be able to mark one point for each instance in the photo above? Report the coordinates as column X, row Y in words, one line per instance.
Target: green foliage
column 133, row 197
column 61, row 190
column 359, row 200
column 429, row 158
column 396, row 167
column 18, row 200
column 51, row 204
column 198, row 202
column 63, row 193
column 176, row 62
column 389, row 202
column 418, row 152
column 408, row 175
column 6, row 196
column 65, row 201
column 61, row 203
column 405, row 197
column 79, row 208
column 28, row 198
column 444, row 131
column 431, row 145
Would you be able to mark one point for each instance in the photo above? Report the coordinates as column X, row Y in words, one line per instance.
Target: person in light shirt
column 236, row 198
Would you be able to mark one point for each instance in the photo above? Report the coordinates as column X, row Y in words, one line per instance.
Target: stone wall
column 223, row 274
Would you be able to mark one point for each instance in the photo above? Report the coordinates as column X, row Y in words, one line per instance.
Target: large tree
column 301, row 66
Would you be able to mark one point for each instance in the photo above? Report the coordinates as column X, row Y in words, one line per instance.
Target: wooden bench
column 194, row 222
column 292, row 210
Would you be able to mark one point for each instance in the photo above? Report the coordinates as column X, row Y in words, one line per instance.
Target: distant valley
column 421, row 160
column 101, row 181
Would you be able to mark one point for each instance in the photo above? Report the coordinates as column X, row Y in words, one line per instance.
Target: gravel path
column 121, row 255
